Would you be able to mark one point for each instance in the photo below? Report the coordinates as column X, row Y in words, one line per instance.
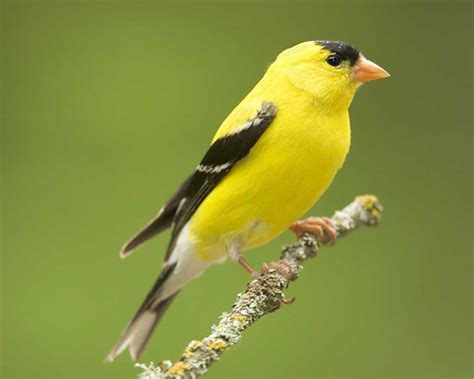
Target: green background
column 107, row 106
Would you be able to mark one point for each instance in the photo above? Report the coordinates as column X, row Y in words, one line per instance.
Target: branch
column 263, row 295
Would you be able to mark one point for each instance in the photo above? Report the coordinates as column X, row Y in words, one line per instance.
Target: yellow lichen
column 192, row 347
column 217, row 345
column 187, row 353
column 195, row 345
column 239, row 318
column 220, row 326
column 368, row 201
column 375, row 213
column 179, row 368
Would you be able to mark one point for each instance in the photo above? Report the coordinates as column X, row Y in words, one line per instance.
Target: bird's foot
column 281, row 266
column 284, row 269
column 288, row 301
column 248, row 267
column 321, row 227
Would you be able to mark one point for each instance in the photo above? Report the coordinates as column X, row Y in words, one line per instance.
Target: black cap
column 342, row 49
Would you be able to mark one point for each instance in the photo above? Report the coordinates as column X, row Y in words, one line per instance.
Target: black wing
column 161, row 222
column 222, row 155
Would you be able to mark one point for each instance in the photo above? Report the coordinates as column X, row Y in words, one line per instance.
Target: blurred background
column 107, row 106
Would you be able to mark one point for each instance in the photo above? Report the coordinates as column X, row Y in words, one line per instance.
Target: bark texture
column 262, row 296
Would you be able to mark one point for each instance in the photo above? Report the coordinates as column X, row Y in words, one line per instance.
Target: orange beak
column 365, row 70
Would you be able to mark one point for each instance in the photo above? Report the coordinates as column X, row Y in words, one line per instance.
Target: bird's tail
column 142, row 325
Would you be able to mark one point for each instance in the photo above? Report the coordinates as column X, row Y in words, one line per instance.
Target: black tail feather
column 145, row 320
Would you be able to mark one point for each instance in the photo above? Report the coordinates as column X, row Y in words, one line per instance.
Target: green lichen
column 262, row 296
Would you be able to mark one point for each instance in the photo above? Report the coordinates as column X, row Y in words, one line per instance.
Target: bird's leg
column 281, row 266
column 248, row 267
column 320, row 226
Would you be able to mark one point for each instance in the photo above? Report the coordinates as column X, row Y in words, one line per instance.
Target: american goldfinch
column 269, row 162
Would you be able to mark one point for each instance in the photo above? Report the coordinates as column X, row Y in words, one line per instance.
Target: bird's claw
column 288, row 301
column 321, row 227
column 281, row 266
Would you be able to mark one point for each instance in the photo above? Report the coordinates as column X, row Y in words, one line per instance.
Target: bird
column 269, row 162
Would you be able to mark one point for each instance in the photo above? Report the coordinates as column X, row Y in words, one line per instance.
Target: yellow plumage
column 269, row 162
column 291, row 165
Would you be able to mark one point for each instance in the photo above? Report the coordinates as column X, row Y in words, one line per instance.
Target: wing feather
column 161, row 222
column 219, row 160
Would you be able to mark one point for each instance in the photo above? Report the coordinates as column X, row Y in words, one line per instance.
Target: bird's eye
column 334, row 60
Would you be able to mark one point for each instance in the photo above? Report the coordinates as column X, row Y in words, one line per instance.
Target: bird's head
column 331, row 71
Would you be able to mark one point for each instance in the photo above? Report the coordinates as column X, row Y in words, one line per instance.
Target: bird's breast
column 299, row 158
column 285, row 173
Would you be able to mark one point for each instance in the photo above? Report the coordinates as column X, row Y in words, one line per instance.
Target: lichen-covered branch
column 263, row 295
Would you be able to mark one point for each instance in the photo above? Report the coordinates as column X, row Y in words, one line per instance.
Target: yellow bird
column 269, row 162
